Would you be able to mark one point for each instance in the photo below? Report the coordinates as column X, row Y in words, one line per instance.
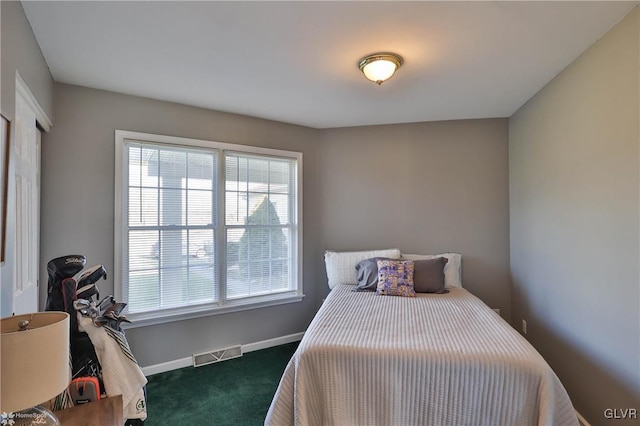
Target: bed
column 434, row 359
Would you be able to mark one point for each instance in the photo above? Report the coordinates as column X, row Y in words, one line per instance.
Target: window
column 204, row 227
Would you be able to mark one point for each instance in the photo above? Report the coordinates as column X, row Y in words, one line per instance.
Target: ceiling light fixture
column 380, row 67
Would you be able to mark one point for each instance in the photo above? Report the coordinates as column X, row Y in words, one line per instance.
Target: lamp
column 380, row 67
column 34, row 366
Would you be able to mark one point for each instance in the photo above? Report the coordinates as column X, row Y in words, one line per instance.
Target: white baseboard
column 150, row 370
column 249, row 347
column 582, row 420
column 264, row 344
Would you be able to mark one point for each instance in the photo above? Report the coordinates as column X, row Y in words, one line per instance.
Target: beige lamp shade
column 34, row 366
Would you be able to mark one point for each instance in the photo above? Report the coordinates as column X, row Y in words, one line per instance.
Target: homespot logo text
column 9, row 419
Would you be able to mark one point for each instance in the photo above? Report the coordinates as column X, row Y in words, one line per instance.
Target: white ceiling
column 297, row 61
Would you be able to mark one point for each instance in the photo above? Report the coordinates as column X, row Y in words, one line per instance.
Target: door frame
column 8, row 268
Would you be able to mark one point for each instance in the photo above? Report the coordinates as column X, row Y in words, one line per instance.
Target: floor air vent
column 206, row 358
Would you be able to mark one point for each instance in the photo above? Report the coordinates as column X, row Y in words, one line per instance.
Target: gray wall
column 20, row 52
column 574, row 185
column 425, row 188
column 78, row 193
column 447, row 182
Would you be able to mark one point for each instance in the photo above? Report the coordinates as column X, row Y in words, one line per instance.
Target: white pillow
column 452, row 270
column 341, row 266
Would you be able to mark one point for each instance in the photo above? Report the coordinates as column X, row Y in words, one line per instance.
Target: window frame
column 224, row 305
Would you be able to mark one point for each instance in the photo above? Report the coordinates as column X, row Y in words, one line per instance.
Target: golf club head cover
column 86, row 282
column 87, row 292
column 92, row 275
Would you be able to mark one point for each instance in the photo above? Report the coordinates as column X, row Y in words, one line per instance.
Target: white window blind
column 259, row 205
column 174, row 255
column 171, row 226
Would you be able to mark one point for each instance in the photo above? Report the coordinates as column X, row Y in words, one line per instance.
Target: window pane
column 172, row 254
column 143, row 166
column 254, row 244
column 135, row 165
column 144, row 286
column 201, row 284
column 201, row 244
column 144, row 291
column 172, row 168
column 172, row 207
column 143, row 207
column 201, row 171
column 279, row 243
column 149, row 168
column 236, row 208
column 142, row 253
column 280, row 275
column 258, row 175
column 200, row 207
column 258, row 261
column 236, row 174
column 259, row 209
column 279, row 215
column 135, row 206
column 279, row 176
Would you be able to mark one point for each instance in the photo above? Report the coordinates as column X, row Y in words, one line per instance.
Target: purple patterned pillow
column 395, row 278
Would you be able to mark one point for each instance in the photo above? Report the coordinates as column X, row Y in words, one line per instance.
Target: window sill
column 144, row 319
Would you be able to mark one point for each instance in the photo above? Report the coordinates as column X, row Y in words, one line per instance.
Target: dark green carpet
column 234, row 392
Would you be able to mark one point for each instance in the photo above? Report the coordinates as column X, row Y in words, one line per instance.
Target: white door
column 26, row 162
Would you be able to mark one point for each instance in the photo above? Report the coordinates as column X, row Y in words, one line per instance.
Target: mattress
column 430, row 360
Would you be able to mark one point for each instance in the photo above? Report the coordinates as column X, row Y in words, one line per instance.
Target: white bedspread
column 430, row 360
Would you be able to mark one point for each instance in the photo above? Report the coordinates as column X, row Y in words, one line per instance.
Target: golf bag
column 81, row 296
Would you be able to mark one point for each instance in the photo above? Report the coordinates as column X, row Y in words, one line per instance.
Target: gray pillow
column 367, row 274
column 428, row 275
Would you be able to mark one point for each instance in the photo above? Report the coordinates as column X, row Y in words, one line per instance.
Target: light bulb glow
column 379, row 70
